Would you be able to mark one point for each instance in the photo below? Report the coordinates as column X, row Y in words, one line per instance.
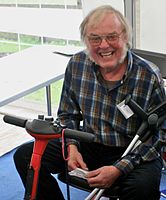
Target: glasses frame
column 114, row 38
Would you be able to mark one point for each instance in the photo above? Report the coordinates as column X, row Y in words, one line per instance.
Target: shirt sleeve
column 69, row 113
column 144, row 153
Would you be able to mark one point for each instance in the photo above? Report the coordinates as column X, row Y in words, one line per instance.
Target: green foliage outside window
column 40, row 94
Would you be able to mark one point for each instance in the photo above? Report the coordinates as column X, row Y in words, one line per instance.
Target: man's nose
column 104, row 43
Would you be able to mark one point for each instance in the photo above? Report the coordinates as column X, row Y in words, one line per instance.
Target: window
column 34, row 22
column 37, row 22
column 88, row 5
column 151, row 29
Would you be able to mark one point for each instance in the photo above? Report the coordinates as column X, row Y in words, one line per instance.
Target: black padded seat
column 82, row 184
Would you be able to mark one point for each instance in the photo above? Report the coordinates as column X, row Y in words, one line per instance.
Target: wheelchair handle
column 39, row 128
column 15, row 120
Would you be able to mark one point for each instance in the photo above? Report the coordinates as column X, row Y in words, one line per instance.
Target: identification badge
column 125, row 109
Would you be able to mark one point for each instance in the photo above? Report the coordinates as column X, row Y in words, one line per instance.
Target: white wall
column 152, row 25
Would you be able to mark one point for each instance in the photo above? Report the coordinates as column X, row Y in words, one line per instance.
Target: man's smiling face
column 106, row 41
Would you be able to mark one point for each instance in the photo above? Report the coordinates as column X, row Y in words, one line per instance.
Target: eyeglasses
column 96, row 40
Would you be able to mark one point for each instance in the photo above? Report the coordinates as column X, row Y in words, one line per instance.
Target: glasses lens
column 95, row 40
column 112, row 38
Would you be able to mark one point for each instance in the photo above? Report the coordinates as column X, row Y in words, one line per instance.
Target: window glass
column 88, row 5
column 30, row 39
column 42, row 3
column 54, row 41
column 151, row 29
column 8, row 43
column 9, row 3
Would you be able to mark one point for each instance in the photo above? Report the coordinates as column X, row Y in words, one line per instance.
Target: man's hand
column 103, row 177
column 75, row 159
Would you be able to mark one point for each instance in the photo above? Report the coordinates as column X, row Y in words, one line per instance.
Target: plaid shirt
column 84, row 96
